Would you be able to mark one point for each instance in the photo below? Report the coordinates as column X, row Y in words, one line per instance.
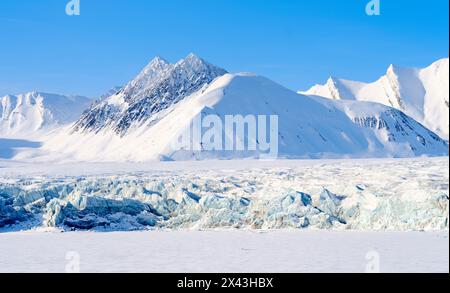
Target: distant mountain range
column 422, row 94
column 33, row 114
column 140, row 121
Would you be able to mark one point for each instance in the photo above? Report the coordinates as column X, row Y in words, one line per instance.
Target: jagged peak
column 332, row 80
column 193, row 58
column 193, row 61
column 158, row 60
column 155, row 65
column 395, row 69
column 392, row 73
column 334, row 83
column 159, row 86
column 391, row 68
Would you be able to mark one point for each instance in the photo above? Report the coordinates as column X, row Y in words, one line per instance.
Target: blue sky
column 296, row 43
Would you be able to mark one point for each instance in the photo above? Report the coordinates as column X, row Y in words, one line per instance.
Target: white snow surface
column 309, row 127
column 32, row 115
column 367, row 195
column 422, row 94
column 224, row 252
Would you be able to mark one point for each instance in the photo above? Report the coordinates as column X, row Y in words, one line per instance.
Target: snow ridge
column 421, row 93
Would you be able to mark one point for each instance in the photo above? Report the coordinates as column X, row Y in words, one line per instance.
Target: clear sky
column 296, row 43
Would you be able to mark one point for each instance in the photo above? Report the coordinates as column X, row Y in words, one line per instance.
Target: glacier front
column 375, row 194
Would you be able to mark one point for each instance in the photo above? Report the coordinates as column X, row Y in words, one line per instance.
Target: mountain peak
column 154, row 70
column 391, row 68
column 158, row 60
column 193, row 65
column 421, row 93
column 195, row 62
column 192, row 57
column 396, row 69
column 332, row 80
column 192, row 60
column 157, row 64
column 158, row 87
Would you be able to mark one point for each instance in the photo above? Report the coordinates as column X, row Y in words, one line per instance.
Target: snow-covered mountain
column 421, row 93
column 159, row 86
column 142, row 120
column 309, row 127
column 32, row 114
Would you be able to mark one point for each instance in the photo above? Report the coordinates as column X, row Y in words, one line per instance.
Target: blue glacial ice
column 395, row 196
column 113, row 204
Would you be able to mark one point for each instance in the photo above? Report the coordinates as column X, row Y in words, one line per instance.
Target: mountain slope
column 159, row 86
column 31, row 114
column 421, row 93
column 308, row 127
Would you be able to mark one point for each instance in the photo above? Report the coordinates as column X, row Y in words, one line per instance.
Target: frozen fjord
column 225, row 251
